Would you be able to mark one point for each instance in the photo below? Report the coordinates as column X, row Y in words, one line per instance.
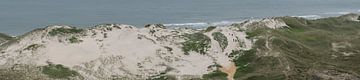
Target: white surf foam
column 187, row 24
column 337, row 13
column 309, row 16
column 225, row 23
column 203, row 24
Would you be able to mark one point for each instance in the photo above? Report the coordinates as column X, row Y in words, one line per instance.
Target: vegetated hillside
column 282, row 48
column 319, row 49
column 4, row 38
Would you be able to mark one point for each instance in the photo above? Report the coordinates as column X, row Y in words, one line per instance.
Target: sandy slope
column 123, row 51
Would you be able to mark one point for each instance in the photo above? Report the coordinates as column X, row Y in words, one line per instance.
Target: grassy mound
column 221, row 39
column 58, row 71
column 197, row 42
column 304, row 51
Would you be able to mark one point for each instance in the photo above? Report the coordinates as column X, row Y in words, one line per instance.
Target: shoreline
column 201, row 25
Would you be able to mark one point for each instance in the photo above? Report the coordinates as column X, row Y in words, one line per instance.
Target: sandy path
column 230, row 70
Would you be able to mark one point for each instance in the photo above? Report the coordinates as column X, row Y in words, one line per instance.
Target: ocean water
column 20, row 16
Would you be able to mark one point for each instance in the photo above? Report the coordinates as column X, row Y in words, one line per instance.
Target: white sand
column 126, row 51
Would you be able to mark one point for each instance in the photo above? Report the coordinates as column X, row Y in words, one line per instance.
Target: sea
column 20, row 16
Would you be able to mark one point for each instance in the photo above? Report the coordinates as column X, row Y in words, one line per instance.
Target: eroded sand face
column 230, row 70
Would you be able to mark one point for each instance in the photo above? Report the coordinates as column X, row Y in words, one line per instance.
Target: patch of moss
column 221, row 39
column 197, row 42
column 75, row 40
column 63, row 31
column 215, row 75
column 58, row 71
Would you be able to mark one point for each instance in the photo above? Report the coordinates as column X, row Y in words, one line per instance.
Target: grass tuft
column 63, row 31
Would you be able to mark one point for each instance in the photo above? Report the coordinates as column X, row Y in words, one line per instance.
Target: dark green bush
column 218, row 75
column 74, row 40
column 210, row 28
column 58, row 71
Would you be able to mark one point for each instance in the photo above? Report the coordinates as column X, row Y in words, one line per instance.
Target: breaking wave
column 203, row 24
column 225, row 23
column 309, row 16
column 337, row 13
column 326, row 14
column 187, row 24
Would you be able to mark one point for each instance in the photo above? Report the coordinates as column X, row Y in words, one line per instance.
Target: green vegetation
column 197, row 42
column 245, row 57
column 159, row 78
column 358, row 18
column 58, row 71
column 272, row 77
column 215, row 75
column 75, row 40
column 12, row 75
column 210, row 28
column 245, row 62
column 63, row 31
column 303, row 48
column 303, row 51
column 253, row 33
column 21, row 72
column 221, row 39
column 4, row 36
column 33, row 47
column 319, row 34
column 313, row 45
column 249, row 64
column 162, row 77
